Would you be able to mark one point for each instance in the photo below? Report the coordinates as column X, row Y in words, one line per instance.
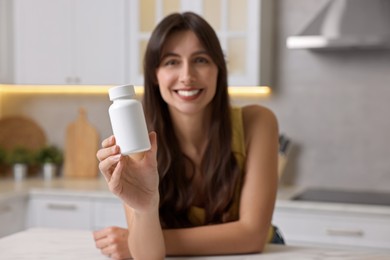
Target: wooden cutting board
column 21, row 131
column 81, row 145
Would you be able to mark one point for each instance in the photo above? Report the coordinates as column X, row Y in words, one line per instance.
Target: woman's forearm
column 229, row 238
column 146, row 239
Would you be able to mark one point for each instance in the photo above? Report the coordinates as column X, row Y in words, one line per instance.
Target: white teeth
column 188, row 93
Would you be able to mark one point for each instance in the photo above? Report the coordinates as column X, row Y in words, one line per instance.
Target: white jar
column 128, row 120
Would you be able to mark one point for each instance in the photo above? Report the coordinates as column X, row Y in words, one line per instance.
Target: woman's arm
column 145, row 240
column 248, row 234
column 135, row 182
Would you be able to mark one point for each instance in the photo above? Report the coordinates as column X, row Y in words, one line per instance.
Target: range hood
column 344, row 24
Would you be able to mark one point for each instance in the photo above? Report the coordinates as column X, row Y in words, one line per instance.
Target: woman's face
column 187, row 76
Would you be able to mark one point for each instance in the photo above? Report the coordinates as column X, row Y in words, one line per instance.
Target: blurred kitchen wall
column 333, row 105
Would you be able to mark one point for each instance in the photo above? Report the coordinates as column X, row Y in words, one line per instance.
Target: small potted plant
column 19, row 158
column 49, row 157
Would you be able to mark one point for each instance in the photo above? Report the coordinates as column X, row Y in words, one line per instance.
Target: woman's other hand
column 133, row 179
column 112, row 242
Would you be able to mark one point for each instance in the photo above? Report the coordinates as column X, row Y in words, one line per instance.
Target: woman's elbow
column 256, row 246
column 255, row 242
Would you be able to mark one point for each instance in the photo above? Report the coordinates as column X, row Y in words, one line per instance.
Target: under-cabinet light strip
column 91, row 89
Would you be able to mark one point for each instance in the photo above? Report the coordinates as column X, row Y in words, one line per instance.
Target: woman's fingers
column 109, row 148
column 110, row 141
column 108, row 165
column 108, row 157
column 100, row 234
column 102, row 243
column 104, row 153
column 115, row 181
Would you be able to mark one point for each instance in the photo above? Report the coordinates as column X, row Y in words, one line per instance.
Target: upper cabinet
column 103, row 41
column 68, row 42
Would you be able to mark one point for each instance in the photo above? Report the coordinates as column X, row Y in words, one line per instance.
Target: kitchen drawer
column 333, row 228
column 108, row 212
column 60, row 212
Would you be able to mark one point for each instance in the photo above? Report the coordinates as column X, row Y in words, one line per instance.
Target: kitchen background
column 332, row 104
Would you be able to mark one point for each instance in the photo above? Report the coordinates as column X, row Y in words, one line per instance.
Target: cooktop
column 343, row 196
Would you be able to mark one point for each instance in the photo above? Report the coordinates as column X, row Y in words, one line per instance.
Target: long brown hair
column 219, row 167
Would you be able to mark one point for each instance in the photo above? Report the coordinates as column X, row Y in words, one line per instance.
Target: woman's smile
column 188, row 94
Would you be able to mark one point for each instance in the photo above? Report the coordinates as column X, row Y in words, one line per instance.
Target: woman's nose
column 187, row 74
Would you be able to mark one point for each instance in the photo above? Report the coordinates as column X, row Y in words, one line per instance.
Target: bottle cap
column 121, row 92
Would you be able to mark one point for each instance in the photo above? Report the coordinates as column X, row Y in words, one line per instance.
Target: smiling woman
column 186, row 72
column 212, row 158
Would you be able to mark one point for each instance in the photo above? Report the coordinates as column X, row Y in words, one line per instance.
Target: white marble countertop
column 61, row 244
column 97, row 188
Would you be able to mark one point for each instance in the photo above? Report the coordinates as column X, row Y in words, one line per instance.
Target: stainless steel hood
column 343, row 24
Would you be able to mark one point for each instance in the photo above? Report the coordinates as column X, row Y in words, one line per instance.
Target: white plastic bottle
column 128, row 120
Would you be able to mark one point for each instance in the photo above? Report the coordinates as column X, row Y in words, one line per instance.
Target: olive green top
column 197, row 214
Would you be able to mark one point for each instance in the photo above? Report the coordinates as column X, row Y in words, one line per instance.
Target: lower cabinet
column 60, row 212
column 341, row 227
column 74, row 212
column 12, row 215
column 107, row 212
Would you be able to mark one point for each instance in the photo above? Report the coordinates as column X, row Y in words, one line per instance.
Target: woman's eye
column 201, row 60
column 169, row 63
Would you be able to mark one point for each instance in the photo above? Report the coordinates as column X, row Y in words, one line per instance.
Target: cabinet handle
column 5, row 209
column 344, row 232
column 68, row 207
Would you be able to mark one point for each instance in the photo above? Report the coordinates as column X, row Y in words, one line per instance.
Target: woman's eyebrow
column 200, row 52
column 167, row 54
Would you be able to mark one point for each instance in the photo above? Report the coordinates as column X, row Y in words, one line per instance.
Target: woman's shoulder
column 257, row 118
column 257, row 113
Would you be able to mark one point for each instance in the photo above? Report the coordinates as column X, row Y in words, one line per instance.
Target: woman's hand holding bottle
column 134, row 179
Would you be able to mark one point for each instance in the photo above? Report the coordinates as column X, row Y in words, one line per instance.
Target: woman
column 210, row 186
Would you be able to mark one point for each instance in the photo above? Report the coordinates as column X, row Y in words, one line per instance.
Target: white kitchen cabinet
column 12, row 215
column 337, row 227
column 75, row 212
column 108, row 212
column 69, row 41
column 59, row 212
column 243, row 27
